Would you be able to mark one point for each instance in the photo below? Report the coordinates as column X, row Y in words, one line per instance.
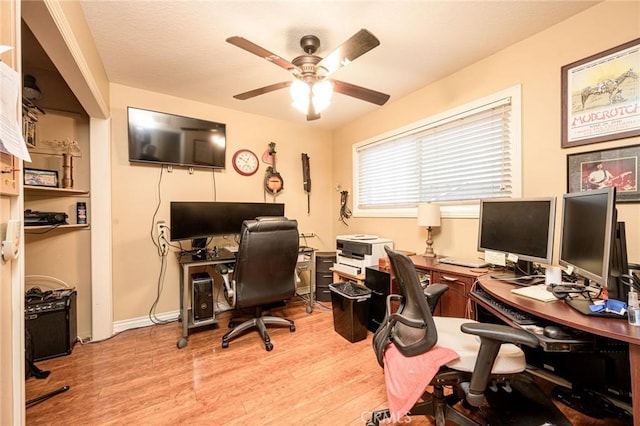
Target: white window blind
column 461, row 156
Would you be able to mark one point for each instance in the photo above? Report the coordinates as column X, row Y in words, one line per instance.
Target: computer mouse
column 555, row 332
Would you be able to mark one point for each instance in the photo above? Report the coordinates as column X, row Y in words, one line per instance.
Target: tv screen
column 518, row 226
column 201, row 219
column 588, row 228
column 168, row 139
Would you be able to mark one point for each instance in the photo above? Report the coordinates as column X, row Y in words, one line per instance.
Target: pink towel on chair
column 406, row 378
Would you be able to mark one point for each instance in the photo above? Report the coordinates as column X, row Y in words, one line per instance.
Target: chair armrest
column 500, row 333
column 435, row 290
column 229, row 292
column 392, row 318
column 433, row 293
column 492, row 336
column 408, row 321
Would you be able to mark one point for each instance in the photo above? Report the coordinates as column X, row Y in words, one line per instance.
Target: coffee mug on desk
column 553, row 275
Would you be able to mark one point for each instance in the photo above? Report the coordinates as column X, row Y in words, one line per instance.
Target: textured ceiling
column 179, row 48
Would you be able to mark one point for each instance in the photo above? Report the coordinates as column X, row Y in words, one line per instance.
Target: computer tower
column 202, row 285
column 52, row 323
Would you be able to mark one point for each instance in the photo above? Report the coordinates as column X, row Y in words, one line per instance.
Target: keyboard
column 461, row 262
column 515, row 315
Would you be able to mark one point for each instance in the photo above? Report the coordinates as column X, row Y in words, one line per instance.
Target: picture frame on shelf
column 601, row 96
column 40, row 177
column 606, row 168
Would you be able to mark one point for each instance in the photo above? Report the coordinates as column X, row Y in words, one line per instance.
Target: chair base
column 434, row 405
column 525, row 403
column 260, row 322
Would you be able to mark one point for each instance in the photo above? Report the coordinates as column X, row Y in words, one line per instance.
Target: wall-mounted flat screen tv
column 169, row 139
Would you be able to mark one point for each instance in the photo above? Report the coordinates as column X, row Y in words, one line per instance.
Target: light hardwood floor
column 313, row 376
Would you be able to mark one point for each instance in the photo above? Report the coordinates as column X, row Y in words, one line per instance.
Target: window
column 455, row 158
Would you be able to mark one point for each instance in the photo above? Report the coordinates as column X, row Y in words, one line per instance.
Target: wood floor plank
column 313, row 376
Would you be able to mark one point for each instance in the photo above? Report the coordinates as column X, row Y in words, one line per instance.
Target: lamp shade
column 428, row 215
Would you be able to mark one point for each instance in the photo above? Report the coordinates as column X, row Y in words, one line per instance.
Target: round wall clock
column 245, row 162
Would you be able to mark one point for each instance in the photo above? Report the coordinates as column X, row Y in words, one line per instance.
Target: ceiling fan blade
column 263, row 90
column 359, row 44
column 251, row 47
column 359, row 92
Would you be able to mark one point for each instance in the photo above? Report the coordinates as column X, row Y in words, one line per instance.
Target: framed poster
column 601, row 96
column 615, row 167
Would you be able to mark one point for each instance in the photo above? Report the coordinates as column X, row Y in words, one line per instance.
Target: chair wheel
column 292, row 328
column 225, row 344
column 181, row 343
column 309, row 309
column 268, row 346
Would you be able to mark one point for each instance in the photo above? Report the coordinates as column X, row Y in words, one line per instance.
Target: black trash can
column 350, row 303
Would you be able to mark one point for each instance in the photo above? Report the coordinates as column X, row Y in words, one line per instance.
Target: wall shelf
column 52, row 228
column 45, row 190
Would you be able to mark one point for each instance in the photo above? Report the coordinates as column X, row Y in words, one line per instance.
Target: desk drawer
column 454, row 302
column 323, row 293
column 324, row 261
column 324, row 278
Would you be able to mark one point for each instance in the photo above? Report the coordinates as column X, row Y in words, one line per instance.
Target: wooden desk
column 459, row 279
column 560, row 313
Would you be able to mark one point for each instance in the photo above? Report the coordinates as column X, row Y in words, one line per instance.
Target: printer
column 356, row 252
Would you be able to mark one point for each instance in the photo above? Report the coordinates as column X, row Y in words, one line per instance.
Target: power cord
column 152, row 311
column 345, row 213
column 155, row 241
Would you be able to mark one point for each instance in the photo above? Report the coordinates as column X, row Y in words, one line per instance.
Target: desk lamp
column 429, row 217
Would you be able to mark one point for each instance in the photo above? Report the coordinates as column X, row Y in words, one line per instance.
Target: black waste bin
column 350, row 304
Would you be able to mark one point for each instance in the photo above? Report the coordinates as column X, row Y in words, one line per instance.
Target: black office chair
column 263, row 274
column 484, row 360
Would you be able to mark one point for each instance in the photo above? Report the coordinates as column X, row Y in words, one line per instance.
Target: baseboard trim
column 119, row 326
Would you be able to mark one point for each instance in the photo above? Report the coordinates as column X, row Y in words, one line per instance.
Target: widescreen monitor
column 192, row 220
column 521, row 227
column 588, row 225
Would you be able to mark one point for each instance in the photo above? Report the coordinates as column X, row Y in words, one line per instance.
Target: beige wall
column 533, row 63
column 135, row 263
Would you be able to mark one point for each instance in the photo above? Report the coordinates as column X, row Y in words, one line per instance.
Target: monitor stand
column 522, row 275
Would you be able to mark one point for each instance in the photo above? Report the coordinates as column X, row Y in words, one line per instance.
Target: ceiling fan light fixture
column 322, row 93
column 300, row 92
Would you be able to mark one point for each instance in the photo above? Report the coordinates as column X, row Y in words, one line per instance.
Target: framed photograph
column 606, row 168
column 601, row 96
column 38, row 177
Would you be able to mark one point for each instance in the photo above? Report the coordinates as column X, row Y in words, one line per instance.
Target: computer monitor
column 199, row 220
column 587, row 236
column 521, row 227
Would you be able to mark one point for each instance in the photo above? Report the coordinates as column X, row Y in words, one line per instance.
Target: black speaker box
column 52, row 322
column 202, row 284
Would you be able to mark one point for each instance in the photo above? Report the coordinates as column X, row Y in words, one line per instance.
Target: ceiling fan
column 311, row 72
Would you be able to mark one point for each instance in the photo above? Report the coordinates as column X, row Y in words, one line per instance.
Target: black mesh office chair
column 484, row 360
column 264, row 273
